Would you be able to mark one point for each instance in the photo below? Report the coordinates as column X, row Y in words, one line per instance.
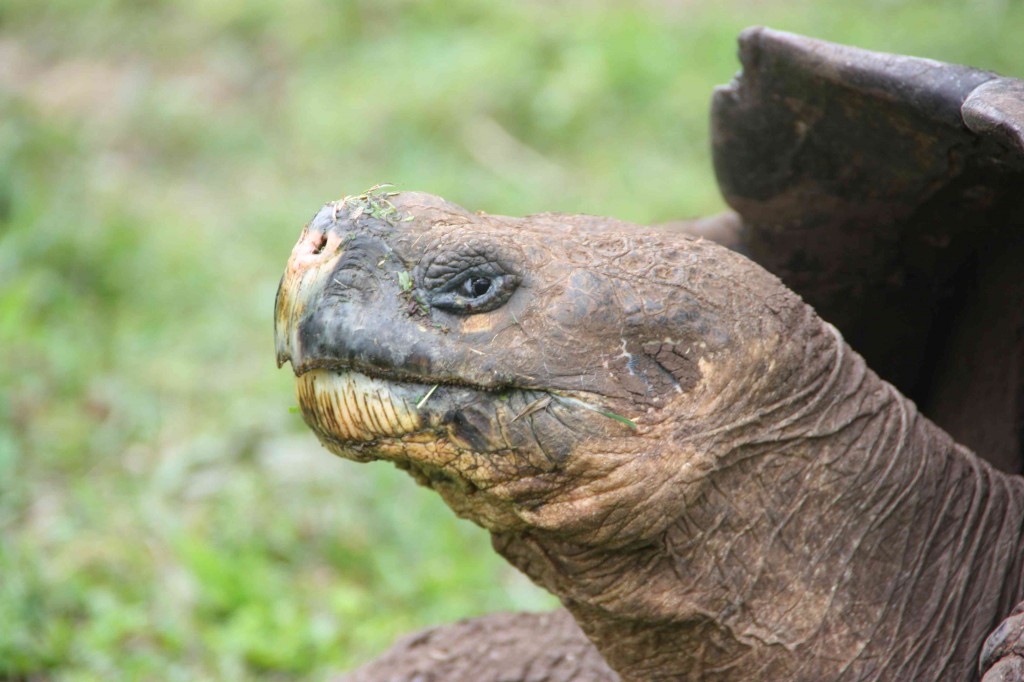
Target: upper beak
column 311, row 262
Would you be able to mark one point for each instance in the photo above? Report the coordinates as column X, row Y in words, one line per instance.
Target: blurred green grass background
column 162, row 513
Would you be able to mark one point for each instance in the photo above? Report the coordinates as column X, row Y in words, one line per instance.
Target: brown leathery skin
column 777, row 513
column 500, row 647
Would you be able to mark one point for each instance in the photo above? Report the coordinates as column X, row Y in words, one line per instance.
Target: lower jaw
column 452, row 438
column 363, row 418
column 349, row 408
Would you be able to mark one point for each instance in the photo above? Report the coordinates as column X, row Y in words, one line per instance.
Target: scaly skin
column 502, row 647
column 777, row 513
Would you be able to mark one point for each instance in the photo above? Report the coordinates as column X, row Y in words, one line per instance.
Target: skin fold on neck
column 838, row 535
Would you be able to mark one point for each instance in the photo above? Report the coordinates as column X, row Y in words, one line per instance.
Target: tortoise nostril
column 313, row 248
column 319, row 244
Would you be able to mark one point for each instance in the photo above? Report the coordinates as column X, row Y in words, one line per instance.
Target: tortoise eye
column 474, row 293
column 475, row 287
column 475, row 278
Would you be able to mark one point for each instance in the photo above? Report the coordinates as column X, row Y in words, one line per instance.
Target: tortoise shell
column 888, row 191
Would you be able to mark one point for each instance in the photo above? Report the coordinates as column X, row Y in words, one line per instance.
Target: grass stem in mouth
column 565, row 400
column 424, row 399
column 535, row 406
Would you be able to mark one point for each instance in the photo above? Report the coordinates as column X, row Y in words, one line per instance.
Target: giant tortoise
column 720, row 480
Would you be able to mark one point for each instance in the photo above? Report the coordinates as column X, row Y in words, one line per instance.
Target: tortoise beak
column 312, row 260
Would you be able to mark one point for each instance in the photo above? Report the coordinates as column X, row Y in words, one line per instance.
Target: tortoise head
column 551, row 372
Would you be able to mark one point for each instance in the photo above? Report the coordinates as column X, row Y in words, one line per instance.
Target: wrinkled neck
column 861, row 524
column 837, row 535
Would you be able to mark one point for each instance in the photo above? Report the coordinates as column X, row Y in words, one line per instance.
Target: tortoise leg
column 1002, row 657
column 500, row 647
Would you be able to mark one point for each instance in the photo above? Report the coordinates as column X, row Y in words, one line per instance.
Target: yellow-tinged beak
column 312, row 260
